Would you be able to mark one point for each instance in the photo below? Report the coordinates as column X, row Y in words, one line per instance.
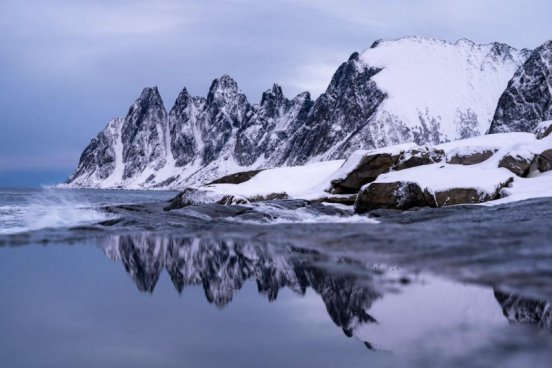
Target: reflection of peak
column 526, row 311
column 223, row 267
column 143, row 260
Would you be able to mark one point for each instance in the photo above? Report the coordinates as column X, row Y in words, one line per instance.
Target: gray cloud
column 67, row 67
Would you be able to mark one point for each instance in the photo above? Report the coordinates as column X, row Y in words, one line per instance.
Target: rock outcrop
column 364, row 167
column 469, row 156
column 518, row 162
column 544, row 161
column 395, row 195
column 528, row 98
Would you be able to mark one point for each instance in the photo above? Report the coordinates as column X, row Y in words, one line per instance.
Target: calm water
column 208, row 287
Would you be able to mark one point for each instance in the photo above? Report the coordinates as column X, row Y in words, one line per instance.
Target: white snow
column 495, row 141
column 305, row 182
column 440, row 177
column 536, row 186
column 438, row 80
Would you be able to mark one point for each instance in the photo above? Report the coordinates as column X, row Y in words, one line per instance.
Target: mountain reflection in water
column 349, row 289
column 222, row 267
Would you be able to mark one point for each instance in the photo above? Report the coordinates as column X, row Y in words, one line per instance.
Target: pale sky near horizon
column 67, row 67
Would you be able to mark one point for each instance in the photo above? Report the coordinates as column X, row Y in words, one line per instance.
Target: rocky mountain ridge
column 527, row 100
column 407, row 90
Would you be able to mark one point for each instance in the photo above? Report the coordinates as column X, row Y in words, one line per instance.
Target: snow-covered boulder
column 470, row 155
column 363, row 167
column 518, row 161
column 400, row 195
column 423, row 155
column 434, row 185
column 544, row 161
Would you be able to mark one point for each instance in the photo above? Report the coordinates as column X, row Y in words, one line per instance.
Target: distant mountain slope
column 528, row 98
column 411, row 89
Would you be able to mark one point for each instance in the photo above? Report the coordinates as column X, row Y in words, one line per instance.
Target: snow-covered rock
column 407, row 90
column 528, row 98
column 434, row 185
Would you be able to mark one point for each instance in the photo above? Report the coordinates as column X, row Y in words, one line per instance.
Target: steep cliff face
column 528, row 98
column 411, row 89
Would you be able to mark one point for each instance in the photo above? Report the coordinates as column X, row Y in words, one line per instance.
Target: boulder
column 395, row 195
column 518, row 162
column 464, row 196
column 544, row 129
column 403, row 195
column 183, row 199
column 367, row 170
column 236, row 178
column 424, row 155
column 469, row 155
column 544, row 161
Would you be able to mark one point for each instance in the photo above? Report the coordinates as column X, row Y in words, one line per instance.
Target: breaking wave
column 48, row 208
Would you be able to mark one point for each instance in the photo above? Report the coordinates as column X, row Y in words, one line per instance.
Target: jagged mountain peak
column 527, row 100
column 150, row 96
column 223, row 88
column 272, row 95
column 149, row 99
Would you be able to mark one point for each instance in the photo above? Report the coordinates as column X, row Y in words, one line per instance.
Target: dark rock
column 236, row 178
column 230, row 199
column 456, row 196
column 472, row 158
column 403, row 195
column 460, row 196
column 395, row 195
column 182, row 199
column 417, row 157
column 518, row 164
column 527, row 99
column 348, row 200
column 544, row 161
column 368, row 169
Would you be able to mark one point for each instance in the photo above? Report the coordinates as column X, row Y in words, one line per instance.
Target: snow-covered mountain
column 407, row 90
column 527, row 100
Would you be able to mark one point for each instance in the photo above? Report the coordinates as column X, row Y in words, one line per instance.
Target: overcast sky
column 67, row 67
